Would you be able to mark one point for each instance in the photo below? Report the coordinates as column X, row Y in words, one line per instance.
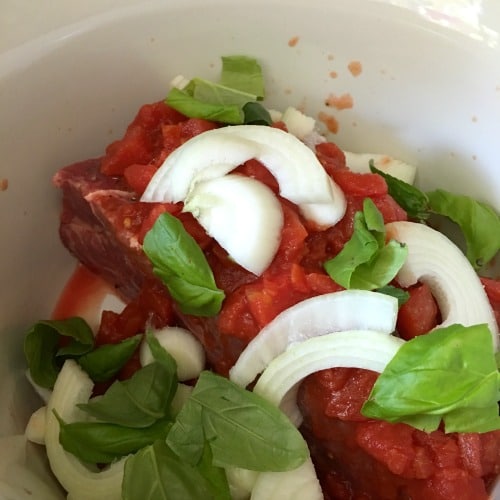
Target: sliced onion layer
column 435, row 260
column 242, row 214
column 332, row 312
column 73, row 386
column 297, row 484
column 214, row 153
column 365, row 349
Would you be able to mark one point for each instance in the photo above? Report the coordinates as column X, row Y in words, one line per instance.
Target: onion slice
column 74, row 386
column 301, row 177
column 435, row 260
column 242, row 214
column 328, row 313
column 365, row 349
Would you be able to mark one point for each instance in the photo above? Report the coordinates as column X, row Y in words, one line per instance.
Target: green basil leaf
column 359, row 250
column 160, row 355
column 214, row 476
column 136, row 402
column 102, row 443
column 450, row 372
column 180, row 263
column 256, row 114
column 214, row 93
column 411, row 199
column 187, row 437
column 104, row 362
column 42, row 348
column 243, row 429
column 243, row 73
column 156, row 473
column 189, row 106
column 241, row 82
column 394, row 291
column 366, row 262
column 373, row 218
column 478, row 221
column 382, row 268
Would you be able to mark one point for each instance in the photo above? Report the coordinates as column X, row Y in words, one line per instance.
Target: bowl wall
column 427, row 94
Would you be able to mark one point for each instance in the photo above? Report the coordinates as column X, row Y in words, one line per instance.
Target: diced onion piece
column 300, row 175
column 73, row 386
column 328, row 313
column 397, row 168
column 179, row 82
column 365, row 349
column 298, row 484
column 243, row 215
column 297, row 123
column 182, row 345
column 35, row 428
column 275, row 115
column 241, row 482
column 435, row 260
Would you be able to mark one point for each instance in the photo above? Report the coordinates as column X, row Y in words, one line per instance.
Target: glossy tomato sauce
column 356, row 458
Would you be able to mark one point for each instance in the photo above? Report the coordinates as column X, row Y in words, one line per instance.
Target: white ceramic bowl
column 428, row 93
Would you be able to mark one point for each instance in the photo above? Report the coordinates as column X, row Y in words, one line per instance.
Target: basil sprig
column 220, row 424
column 49, row 343
column 367, row 262
column 180, row 263
column 233, row 101
column 43, row 351
column 479, row 223
column 144, row 398
column 450, row 374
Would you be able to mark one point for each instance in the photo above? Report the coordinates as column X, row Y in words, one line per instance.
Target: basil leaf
column 243, row 73
column 187, row 437
column 180, row 263
column 215, row 476
column 242, row 429
column 186, row 104
column 160, row 355
column 137, row 402
column 42, row 348
column 358, row 250
column 256, row 114
column 398, row 293
column 241, row 82
column 366, row 262
column 478, row 221
column 382, row 268
column 449, row 373
column 156, row 473
column 408, row 197
column 214, row 93
column 104, row 362
column 102, row 443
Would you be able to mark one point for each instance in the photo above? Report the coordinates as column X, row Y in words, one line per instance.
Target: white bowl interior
column 426, row 94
